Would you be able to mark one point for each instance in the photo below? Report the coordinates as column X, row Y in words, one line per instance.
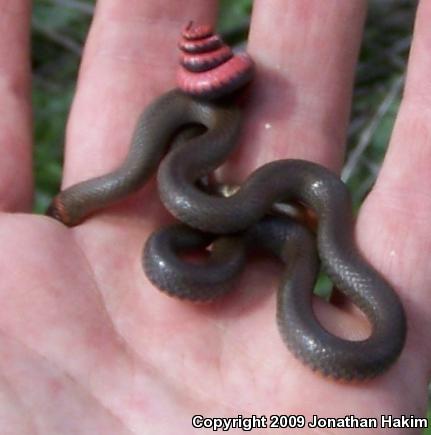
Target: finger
column 306, row 53
column 394, row 222
column 15, row 110
column 130, row 58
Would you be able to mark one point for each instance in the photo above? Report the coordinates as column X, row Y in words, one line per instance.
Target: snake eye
column 208, row 67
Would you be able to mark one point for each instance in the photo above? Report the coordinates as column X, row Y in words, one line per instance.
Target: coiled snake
column 209, row 74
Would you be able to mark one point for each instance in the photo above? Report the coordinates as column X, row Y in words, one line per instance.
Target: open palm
column 87, row 345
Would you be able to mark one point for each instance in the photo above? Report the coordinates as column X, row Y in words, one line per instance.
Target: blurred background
column 59, row 30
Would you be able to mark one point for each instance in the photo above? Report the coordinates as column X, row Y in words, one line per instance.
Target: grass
column 59, row 29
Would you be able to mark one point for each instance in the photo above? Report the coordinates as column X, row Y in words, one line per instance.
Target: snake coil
column 209, row 69
column 234, row 225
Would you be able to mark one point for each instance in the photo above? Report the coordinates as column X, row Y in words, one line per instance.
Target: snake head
column 208, row 67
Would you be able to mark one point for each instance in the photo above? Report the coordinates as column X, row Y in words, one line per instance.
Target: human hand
column 87, row 344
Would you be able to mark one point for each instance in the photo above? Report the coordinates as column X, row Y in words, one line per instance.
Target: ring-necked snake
column 233, row 225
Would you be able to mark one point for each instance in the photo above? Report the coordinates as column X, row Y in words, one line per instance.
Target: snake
column 183, row 136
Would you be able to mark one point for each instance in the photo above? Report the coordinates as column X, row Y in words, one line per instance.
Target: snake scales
column 209, row 75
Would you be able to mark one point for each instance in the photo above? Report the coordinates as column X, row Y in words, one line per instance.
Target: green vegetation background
column 59, row 30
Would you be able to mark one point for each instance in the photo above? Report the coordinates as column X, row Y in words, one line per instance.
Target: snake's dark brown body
column 235, row 224
column 303, row 181
column 154, row 132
